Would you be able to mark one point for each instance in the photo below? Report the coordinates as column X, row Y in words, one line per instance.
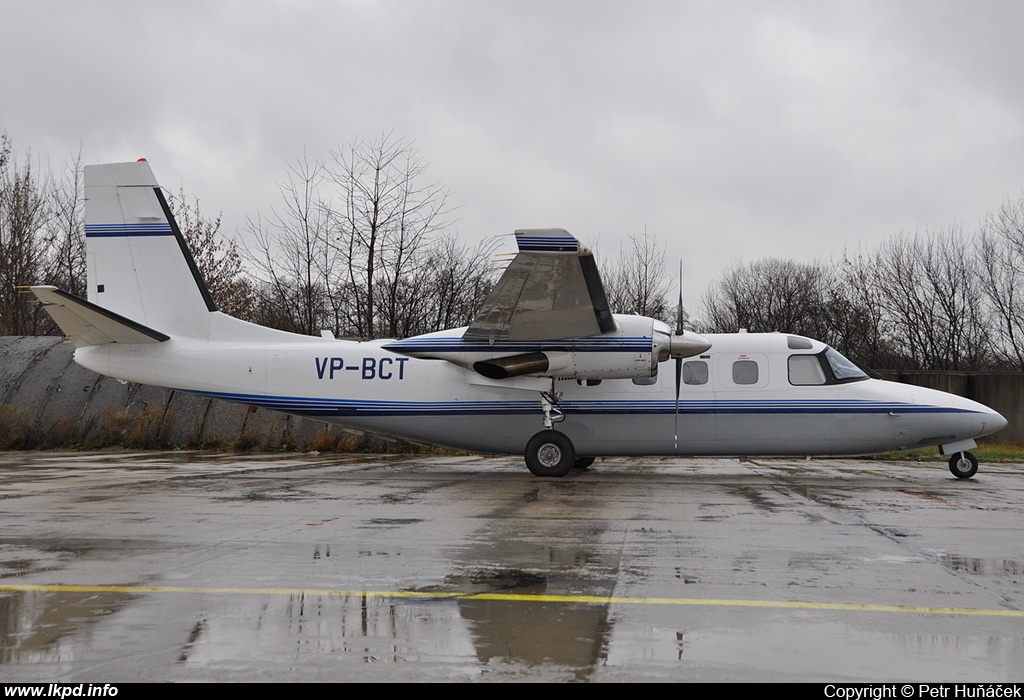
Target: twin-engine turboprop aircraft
column 544, row 370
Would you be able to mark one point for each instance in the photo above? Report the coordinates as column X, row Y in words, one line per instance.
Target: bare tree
column 292, row 255
column 636, row 281
column 1000, row 248
column 24, row 212
column 65, row 230
column 769, row 295
column 218, row 259
column 855, row 322
column 389, row 214
column 914, row 303
column 355, row 246
column 933, row 301
column 456, row 280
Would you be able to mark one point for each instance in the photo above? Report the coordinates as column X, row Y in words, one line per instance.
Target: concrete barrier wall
column 950, row 382
column 55, row 402
column 47, row 400
column 1004, row 392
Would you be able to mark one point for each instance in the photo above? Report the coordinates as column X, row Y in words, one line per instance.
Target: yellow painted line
column 518, row 597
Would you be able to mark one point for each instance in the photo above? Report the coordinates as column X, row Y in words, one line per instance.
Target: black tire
column 550, row 453
column 583, row 462
column 963, row 465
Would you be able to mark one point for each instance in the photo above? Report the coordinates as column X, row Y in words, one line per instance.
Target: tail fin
column 139, row 266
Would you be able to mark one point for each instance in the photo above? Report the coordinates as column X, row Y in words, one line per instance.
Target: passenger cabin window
column 744, row 372
column 695, row 372
column 645, row 381
column 805, row 370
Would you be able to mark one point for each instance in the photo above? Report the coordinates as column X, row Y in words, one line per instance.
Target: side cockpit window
column 843, row 370
column 805, row 370
column 827, row 367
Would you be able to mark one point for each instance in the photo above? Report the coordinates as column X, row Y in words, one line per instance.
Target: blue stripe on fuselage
column 379, row 409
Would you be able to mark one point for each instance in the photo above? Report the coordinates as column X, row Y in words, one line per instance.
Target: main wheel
column 550, row 453
column 963, row 465
column 583, row 462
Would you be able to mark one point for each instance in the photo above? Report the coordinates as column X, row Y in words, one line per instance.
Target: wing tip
column 546, row 240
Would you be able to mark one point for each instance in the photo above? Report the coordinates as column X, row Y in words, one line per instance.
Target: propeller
column 681, row 344
column 679, row 358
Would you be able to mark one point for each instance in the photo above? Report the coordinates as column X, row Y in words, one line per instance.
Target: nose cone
column 985, row 420
column 994, row 423
column 688, row 344
column 943, row 418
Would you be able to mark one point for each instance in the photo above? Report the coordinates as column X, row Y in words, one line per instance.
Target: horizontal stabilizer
column 85, row 323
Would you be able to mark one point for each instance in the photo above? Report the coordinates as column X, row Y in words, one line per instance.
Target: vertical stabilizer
column 138, row 263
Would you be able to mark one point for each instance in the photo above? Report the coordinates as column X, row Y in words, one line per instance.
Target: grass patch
column 991, row 453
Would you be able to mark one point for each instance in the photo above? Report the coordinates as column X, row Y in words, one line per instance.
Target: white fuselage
column 364, row 386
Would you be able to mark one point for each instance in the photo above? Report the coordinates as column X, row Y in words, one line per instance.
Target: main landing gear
column 963, row 465
column 550, row 453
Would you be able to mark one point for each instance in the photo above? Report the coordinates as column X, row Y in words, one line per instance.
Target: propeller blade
column 679, row 309
column 679, row 359
column 679, row 376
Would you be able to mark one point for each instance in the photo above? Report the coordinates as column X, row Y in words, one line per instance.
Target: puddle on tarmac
column 984, row 567
column 205, row 637
column 42, row 627
column 808, row 649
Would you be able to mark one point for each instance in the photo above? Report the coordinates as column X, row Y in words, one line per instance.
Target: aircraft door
column 746, row 414
column 696, row 424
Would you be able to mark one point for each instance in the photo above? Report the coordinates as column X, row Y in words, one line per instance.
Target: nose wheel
column 963, row 465
column 550, row 453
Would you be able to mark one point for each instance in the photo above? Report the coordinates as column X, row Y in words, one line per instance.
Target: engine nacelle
column 573, row 364
column 633, row 350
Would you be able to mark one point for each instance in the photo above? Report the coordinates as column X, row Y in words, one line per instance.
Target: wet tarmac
column 185, row 567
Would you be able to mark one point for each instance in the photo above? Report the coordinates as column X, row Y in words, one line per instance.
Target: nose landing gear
column 963, row 465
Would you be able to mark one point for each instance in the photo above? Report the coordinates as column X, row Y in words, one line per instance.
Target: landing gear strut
column 549, row 404
column 550, row 453
column 963, row 465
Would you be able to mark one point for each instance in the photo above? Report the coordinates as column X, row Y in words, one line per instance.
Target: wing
column 550, row 290
column 548, row 316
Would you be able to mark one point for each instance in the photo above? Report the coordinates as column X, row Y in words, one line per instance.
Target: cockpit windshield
column 843, row 369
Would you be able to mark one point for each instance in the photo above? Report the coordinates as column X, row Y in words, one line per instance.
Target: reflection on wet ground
column 189, row 567
column 40, row 627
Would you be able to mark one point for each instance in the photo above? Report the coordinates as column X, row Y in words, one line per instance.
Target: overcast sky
column 728, row 129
